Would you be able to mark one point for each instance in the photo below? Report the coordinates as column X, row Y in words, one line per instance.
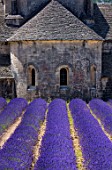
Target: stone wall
column 4, row 48
column 107, row 59
column 78, row 7
column 28, row 8
column 7, row 4
column 25, row 7
column 107, row 69
column 6, row 82
column 48, row 57
column 34, row 6
column 7, row 89
column 4, row 54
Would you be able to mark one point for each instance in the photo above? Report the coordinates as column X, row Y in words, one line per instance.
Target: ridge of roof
column 54, row 22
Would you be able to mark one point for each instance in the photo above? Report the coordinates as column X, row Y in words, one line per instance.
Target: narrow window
column 63, row 77
column 14, row 9
column 93, row 76
column 33, row 77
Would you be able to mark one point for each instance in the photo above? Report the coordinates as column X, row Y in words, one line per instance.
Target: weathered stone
column 48, row 65
column 73, row 36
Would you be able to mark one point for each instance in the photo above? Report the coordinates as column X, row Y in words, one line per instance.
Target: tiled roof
column 5, row 31
column 5, row 72
column 55, row 22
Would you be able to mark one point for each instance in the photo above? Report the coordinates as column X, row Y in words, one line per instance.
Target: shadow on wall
column 36, row 8
column 107, row 93
column 101, row 26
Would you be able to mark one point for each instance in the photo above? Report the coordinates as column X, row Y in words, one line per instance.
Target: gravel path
column 76, row 142
column 37, row 147
column 101, row 125
column 7, row 134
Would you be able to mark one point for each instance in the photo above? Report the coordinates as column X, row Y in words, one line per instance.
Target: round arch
column 32, row 76
column 63, row 76
column 31, row 64
column 66, row 72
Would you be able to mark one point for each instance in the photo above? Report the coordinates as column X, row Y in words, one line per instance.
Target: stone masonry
column 48, row 57
column 44, row 43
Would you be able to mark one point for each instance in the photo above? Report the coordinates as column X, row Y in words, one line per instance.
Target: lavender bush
column 17, row 152
column 96, row 147
column 57, row 150
column 104, row 112
column 3, row 103
column 11, row 112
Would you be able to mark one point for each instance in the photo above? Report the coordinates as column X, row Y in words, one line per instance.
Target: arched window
column 93, row 76
column 33, row 77
column 63, row 77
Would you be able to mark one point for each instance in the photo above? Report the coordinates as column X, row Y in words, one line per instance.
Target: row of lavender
column 96, row 147
column 18, row 150
column 104, row 112
column 10, row 112
column 3, row 103
column 57, row 149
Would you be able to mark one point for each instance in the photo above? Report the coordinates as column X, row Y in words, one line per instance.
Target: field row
column 56, row 150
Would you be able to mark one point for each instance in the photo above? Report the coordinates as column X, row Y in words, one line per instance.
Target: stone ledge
column 15, row 20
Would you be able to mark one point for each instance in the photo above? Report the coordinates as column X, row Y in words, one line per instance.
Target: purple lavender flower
column 57, row 150
column 104, row 112
column 11, row 112
column 3, row 103
column 17, row 151
column 96, row 147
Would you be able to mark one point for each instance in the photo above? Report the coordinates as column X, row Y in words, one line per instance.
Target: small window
column 14, row 9
column 93, row 76
column 63, row 77
column 33, row 77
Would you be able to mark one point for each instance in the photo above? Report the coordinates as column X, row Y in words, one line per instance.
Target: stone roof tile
column 5, row 72
column 5, row 31
column 55, row 22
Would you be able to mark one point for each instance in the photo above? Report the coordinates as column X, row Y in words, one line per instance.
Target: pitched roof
column 55, row 22
column 5, row 31
column 103, row 19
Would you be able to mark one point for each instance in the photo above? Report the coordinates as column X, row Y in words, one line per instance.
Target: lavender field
column 56, row 135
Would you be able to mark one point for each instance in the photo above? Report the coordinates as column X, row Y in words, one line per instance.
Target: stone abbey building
column 55, row 48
